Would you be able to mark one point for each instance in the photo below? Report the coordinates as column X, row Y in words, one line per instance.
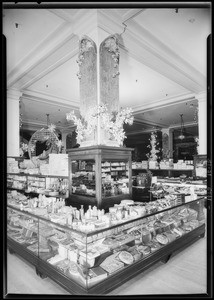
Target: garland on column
column 197, row 144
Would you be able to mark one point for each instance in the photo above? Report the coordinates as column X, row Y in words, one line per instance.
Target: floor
column 184, row 273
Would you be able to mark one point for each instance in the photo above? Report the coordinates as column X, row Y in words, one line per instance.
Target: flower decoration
column 23, row 149
column 111, row 123
column 32, row 148
column 111, row 44
column 79, row 75
column 152, row 155
column 195, row 117
column 85, row 44
column 59, row 145
column 52, row 127
column 197, row 142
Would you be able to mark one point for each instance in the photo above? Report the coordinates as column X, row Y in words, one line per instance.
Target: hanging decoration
column 195, row 117
column 181, row 136
column 111, row 126
column 197, row 144
column 48, row 138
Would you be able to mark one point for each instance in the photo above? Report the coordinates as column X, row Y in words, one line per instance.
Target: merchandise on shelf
column 12, row 165
column 52, row 186
column 166, row 164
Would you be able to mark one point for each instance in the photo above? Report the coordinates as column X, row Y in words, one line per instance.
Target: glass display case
column 99, row 175
column 38, row 184
column 93, row 252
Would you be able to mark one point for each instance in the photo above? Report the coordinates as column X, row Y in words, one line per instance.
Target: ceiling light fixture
column 181, row 136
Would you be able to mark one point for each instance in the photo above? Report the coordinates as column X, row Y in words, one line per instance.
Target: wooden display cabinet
column 99, row 175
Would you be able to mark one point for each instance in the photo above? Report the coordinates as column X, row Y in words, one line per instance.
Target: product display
column 89, row 245
column 98, row 174
column 91, row 258
column 38, row 184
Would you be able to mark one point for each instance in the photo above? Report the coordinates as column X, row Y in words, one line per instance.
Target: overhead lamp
column 181, row 136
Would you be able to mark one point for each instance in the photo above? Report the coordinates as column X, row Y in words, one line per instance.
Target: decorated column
column 109, row 73
column 101, row 121
column 13, row 97
column 202, row 122
column 165, row 143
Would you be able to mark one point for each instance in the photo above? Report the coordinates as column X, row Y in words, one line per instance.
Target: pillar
column 171, row 143
column 202, row 122
column 98, row 62
column 167, row 143
column 64, row 135
column 13, row 133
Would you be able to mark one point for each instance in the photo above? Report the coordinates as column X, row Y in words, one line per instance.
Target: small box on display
column 58, row 164
column 152, row 164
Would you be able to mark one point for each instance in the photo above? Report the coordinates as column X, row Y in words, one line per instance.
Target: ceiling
column 163, row 61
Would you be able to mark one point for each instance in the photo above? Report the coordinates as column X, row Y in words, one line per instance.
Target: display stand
column 99, row 175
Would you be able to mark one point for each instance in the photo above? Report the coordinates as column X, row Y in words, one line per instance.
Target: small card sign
column 154, row 179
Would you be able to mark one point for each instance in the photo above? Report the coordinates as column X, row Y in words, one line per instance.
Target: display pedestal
column 99, row 175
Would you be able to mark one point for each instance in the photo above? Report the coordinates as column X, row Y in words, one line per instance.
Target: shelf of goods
column 166, row 172
column 99, row 175
column 93, row 252
column 48, row 185
column 167, row 188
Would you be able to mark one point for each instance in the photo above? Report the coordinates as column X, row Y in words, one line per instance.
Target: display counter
column 93, row 252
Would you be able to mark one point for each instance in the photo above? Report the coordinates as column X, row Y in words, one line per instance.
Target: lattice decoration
column 43, row 135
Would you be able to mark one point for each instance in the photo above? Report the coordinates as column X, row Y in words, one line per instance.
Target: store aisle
column 184, row 273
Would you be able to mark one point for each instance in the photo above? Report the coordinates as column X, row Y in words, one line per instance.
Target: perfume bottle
column 94, row 211
column 89, row 211
column 81, row 212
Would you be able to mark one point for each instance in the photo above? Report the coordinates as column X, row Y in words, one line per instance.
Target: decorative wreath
column 44, row 135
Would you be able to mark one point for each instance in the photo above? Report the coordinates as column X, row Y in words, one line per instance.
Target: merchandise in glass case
column 83, row 177
column 89, row 256
column 40, row 184
column 99, row 175
column 115, row 178
column 23, row 229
